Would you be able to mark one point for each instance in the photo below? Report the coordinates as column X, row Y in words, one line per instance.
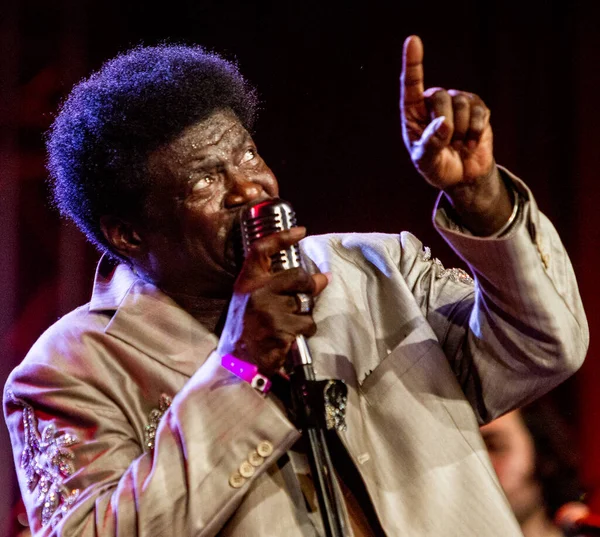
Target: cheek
column 267, row 180
column 207, row 230
column 514, row 470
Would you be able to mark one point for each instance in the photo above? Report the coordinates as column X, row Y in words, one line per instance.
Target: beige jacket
column 427, row 357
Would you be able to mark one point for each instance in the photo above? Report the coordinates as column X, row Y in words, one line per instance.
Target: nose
column 243, row 190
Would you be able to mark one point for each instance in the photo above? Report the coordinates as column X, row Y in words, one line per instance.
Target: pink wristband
column 247, row 372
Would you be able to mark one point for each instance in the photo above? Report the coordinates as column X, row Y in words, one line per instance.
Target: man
column 126, row 421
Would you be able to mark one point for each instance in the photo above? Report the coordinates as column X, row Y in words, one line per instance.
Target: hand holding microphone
column 265, row 314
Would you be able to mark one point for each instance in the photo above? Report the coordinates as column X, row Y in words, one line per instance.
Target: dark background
column 327, row 74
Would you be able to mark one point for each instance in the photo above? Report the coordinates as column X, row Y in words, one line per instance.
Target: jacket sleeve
column 520, row 330
column 83, row 471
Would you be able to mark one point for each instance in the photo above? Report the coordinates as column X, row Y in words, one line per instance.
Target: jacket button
column 265, row 448
column 255, row 459
column 236, row 480
column 246, row 469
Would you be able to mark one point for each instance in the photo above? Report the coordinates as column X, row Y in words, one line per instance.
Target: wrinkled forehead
column 217, row 136
column 220, row 128
column 220, row 135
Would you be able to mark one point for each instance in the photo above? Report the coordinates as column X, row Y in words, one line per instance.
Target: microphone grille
column 265, row 218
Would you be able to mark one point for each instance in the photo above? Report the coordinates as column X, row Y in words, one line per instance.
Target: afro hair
column 99, row 143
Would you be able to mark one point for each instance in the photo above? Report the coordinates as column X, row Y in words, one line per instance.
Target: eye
column 202, row 183
column 250, row 154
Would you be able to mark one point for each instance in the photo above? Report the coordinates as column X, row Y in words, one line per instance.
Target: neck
column 188, row 287
column 207, row 311
column 539, row 525
column 205, row 303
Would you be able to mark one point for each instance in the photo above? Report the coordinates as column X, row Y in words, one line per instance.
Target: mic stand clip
column 319, row 405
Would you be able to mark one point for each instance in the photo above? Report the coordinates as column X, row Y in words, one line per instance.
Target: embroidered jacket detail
column 426, row 254
column 47, row 462
column 455, row 274
column 153, row 420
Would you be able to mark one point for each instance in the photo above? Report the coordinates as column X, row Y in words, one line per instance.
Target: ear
column 122, row 236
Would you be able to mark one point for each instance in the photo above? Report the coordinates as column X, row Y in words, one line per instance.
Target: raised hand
column 263, row 319
column 450, row 141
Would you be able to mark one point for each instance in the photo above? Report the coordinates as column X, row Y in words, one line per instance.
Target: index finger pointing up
column 412, row 102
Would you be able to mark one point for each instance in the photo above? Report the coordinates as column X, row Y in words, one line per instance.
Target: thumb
column 435, row 138
column 321, row 280
column 436, row 135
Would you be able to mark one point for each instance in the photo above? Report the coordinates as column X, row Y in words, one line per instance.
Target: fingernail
column 329, row 276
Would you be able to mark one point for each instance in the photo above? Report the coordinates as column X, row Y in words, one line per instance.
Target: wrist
column 247, row 372
column 483, row 206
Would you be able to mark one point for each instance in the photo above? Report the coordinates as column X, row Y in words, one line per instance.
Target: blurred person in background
column 534, row 454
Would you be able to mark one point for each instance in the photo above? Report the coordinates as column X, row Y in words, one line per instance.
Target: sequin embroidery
column 426, row 253
column 335, row 397
column 455, row 274
column 154, row 419
column 47, row 461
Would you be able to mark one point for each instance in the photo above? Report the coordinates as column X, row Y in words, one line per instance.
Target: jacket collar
column 149, row 320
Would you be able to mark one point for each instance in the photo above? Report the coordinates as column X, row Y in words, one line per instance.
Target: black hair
column 99, row 143
column 556, row 458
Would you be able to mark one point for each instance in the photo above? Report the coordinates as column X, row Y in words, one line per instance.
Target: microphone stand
column 308, row 396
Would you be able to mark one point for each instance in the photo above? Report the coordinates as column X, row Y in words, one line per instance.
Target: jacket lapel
column 149, row 320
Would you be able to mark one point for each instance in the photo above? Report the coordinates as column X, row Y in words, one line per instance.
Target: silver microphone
column 265, row 218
